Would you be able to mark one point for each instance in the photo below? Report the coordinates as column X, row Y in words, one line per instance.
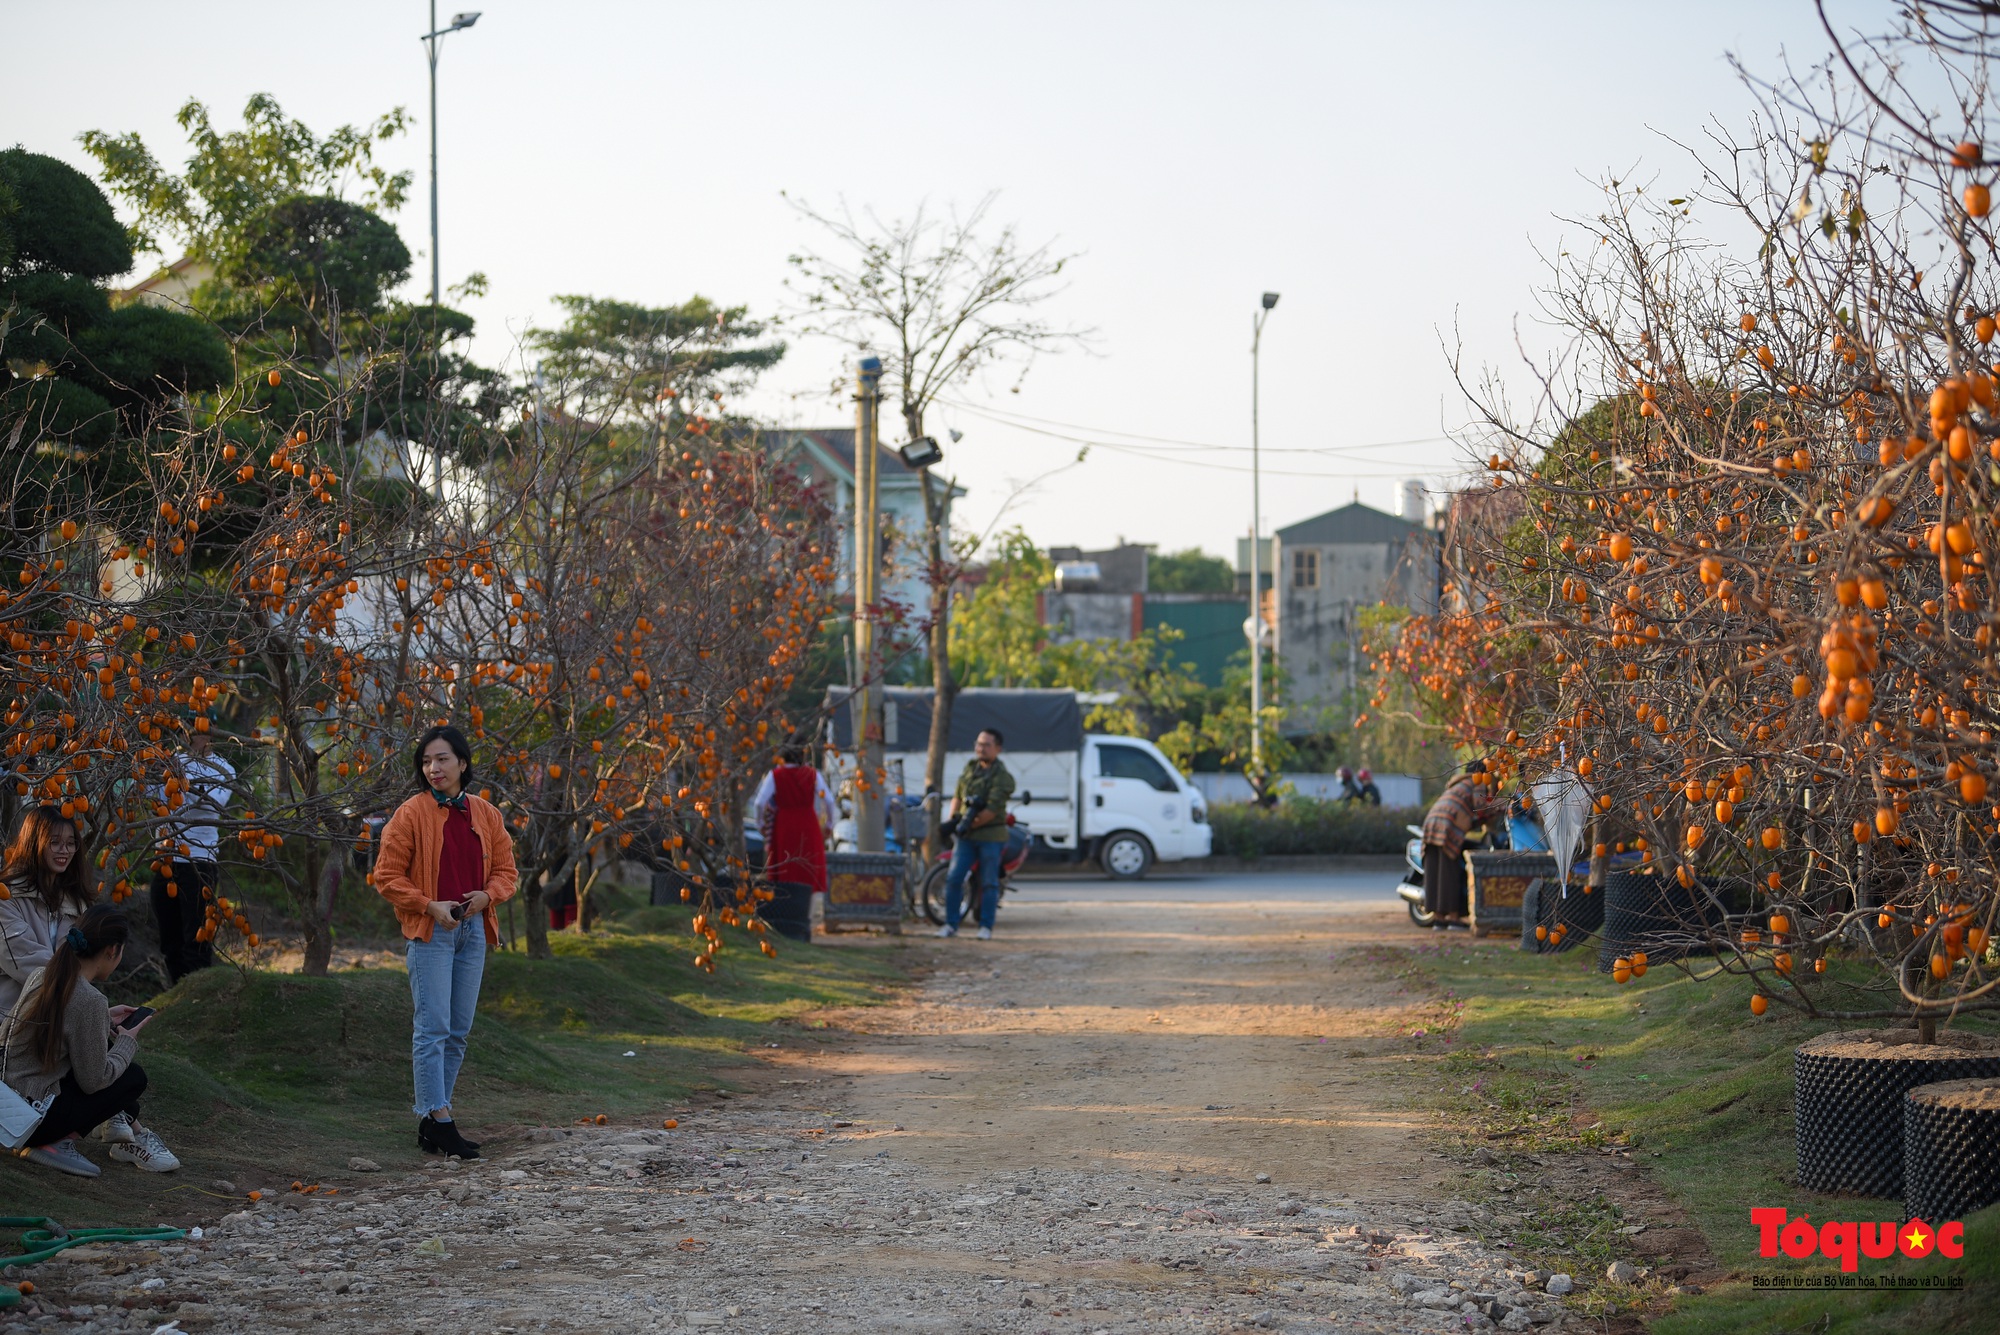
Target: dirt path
column 1164, row 1113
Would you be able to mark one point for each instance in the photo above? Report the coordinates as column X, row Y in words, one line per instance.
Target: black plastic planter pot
column 1848, row 1100
column 790, row 910
column 1951, row 1149
column 1658, row 915
column 1580, row 913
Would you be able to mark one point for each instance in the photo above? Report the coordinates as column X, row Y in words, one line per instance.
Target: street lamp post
column 868, row 699
column 431, row 40
column 1256, row 541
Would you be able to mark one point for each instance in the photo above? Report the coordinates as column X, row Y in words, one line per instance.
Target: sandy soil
column 1131, row 1115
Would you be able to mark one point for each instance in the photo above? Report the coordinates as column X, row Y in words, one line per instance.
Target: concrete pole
column 1256, row 542
column 431, row 45
column 868, row 809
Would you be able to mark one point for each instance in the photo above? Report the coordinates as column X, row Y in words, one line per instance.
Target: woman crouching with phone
column 64, row 1039
column 446, row 860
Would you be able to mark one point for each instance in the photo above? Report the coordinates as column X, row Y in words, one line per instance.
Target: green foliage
column 1215, row 727
column 303, row 271
column 139, row 352
column 1152, row 688
column 320, row 254
column 75, row 372
column 1190, row 571
column 644, row 362
column 1309, row 825
column 997, row 639
column 997, row 636
column 58, row 221
column 56, row 409
column 235, row 177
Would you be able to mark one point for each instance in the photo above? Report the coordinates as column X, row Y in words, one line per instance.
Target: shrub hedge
column 1310, row 825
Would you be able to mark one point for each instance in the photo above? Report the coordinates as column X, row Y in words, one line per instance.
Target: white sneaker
column 65, row 1156
column 118, row 1131
column 986, row 934
column 146, row 1151
column 947, row 931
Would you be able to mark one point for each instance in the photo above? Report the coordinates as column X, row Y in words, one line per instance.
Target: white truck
column 1115, row 800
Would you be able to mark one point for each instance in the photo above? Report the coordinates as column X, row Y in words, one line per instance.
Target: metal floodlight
column 1270, row 300
column 956, row 435
column 920, row 453
column 459, row 21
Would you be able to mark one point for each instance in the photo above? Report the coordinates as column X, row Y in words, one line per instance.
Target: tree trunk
column 944, row 690
column 537, row 917
column 322, row 882
column 586, row 900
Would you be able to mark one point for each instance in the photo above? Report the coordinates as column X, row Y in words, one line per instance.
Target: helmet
column 1365, row 776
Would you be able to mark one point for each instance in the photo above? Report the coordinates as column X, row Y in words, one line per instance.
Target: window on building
column 1305, row 570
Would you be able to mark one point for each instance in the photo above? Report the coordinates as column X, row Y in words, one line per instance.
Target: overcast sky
column 1390, row 169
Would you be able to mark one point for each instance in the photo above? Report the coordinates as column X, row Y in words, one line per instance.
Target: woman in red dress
column 794, row 809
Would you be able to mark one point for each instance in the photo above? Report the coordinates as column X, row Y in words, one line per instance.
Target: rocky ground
column 1110, row 1119
column 757, row 1223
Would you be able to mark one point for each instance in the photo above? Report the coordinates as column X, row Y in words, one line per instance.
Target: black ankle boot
column 445, row 1135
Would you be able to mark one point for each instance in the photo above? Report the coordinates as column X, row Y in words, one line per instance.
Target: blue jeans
column 987, row 855
column 444, row 985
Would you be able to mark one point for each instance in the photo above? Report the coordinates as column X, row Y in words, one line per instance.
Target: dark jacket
column 996, row 785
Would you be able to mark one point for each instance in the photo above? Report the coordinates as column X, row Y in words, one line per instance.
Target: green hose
column 45, row 1237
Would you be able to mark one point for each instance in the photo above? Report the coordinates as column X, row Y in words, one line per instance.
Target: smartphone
column 458, row 911
column 138, row 1013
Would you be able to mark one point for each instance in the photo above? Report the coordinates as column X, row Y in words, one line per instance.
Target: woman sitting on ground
column 46, row 891
column 65, row 1039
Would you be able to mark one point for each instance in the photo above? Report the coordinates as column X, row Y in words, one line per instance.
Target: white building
column 826, row 457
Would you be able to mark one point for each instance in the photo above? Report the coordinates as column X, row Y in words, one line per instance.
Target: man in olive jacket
column 980, row 809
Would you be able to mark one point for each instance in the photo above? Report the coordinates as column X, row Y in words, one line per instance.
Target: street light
column 1255, row 626
column 920, row 453
column 459, row 22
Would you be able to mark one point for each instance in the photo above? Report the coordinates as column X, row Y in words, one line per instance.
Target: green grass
column 1548, row 1055
column 262, row 1078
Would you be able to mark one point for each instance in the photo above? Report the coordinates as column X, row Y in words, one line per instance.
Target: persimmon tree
column 1748, row 593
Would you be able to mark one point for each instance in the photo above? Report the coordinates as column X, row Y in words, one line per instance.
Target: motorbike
column 1411, row 888
column 931, row 898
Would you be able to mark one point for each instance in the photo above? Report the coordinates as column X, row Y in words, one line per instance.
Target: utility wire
column 1011, row 418
column 1155, row 455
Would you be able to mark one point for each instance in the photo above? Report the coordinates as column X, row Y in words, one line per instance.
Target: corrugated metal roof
column 1350, row 524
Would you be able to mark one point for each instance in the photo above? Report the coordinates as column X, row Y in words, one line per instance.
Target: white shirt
column 203, row 800
column 767, row 796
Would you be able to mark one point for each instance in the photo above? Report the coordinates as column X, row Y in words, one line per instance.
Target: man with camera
column 979, row 823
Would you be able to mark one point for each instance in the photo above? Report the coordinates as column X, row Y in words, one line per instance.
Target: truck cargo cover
column 1029, row 720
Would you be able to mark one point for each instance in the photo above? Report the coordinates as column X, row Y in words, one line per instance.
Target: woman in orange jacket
column 446, row 860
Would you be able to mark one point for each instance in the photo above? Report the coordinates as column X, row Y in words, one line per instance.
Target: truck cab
column 1137, row 808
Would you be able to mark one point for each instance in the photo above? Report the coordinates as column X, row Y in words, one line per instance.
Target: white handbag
column 18, row 1117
